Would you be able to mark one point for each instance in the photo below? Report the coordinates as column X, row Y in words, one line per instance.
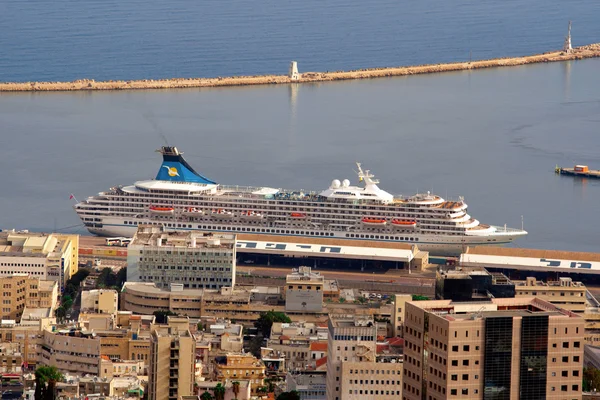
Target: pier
column 581, row 171
column 576, row 53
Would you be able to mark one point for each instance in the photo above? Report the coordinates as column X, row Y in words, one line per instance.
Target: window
column 565, row 345
column 565, row 359
column 565, row 374
column 563, row 388
column 455, row 363
column 466, row 363
column 453, row 392
column 454, row 377
column 465, row 377
column 465, row 391
column 466, row 347
column 455, row 348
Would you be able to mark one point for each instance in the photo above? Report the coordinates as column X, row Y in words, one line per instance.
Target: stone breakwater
column 589, row 51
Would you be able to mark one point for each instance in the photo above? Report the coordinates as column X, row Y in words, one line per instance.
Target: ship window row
column 385, row 237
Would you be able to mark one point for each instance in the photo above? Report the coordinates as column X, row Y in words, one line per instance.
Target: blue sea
column 43, row 40
column 492, row 136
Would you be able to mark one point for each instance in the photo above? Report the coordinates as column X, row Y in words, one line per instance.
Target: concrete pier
column 577, row 53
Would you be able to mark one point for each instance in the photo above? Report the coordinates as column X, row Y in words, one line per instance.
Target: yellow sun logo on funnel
column 172, row 171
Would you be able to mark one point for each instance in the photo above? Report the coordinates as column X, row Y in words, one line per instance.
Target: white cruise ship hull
column 342, row 211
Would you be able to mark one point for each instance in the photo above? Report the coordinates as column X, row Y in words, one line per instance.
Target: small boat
column 250, row 215
column 295, row 215
column 402, row 223
column 220, row 213
column 193, row 212
column 374, row 221
column 161, row 210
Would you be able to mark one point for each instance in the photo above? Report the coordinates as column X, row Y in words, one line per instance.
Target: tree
column 591, row 379
column 121, row 277
column 293, row 395
column 200, row 326
column 266, row 319
column 418, row 297
column 204, row 396
column 219, row 392
column 161, row 316
column 60, row 313
column 45, row 382
column 235, row 386
column 342, row 299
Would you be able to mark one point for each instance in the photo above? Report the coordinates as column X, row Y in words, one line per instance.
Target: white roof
column 530, row 263
column 321, row 250
column 166, row 185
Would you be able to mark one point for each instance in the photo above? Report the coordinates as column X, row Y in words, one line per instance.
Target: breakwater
column 578, row 53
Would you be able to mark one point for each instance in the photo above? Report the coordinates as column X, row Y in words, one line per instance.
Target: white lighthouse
column 567, row 48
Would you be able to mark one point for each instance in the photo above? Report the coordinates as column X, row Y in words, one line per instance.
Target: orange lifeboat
column 250, row 215
column 220, row 213
column 402, row 223
column 161, row 210
column 193, row 212
column 297, row 215
column 374, row 221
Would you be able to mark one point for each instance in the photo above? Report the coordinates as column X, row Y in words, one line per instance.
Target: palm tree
column 235, row 386
column 204, row 396
column 219, row 391
column 45, row 382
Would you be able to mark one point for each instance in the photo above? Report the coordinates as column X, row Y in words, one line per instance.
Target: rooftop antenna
column 522, row 226
column 567, row 48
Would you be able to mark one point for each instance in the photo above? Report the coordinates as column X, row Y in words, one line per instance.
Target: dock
column 581, row 171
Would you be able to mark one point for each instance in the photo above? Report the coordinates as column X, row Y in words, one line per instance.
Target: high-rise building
column 194, row 259
column 354, row 370
column 304, row 291
column 508, row 348
column 172, row 364
column 21, row 290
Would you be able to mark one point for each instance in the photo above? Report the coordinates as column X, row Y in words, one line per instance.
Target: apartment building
column 20, row 290
column 194, row 259
column 71, row 350
column 563, row 293
column 397, row 320
column 510, row 348
column 354, row 368
column 296, row 341
column 52, row 257
column 172, row 364
column 102, row 301
column 304, row 291
column 241, row 366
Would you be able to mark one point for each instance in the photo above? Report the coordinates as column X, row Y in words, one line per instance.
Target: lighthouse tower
column 567, row 48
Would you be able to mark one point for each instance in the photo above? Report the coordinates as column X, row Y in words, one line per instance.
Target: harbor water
column 493, row 136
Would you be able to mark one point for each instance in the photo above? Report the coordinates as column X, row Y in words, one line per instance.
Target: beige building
column 194, row 259
column 103, row 301
column 304, row 291
column 21, row 290
column 52, row 257
column 244, row 366
column 354, row 368
column 563, row 293
column 397, row 318
column 513, row 348
column 71, row 350
column 11, row 358
column 296, row 342
column 172, row 364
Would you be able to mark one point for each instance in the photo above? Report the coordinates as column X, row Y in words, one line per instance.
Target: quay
column 579, row 170
column 567, row 54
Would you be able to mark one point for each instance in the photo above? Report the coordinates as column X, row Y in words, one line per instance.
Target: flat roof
column 324, row 247
column 531, row 259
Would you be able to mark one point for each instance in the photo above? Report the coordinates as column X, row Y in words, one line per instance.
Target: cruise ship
column 181, row 199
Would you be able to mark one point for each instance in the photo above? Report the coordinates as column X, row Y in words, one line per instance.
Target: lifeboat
column 295, row 215
column 193, row 212
column 250, row 215
column 402, row 223
column 161, row 210
column 373, row 221
column 220, row 213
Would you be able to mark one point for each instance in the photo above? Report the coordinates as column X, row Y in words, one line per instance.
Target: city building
column 11, row 359
column 472, row 284
column 52, row 257
column 296, row 341
column 243, row 390
column 71, row 351
column 355, row 370
column 310, row 386
column 399, row 304
column 172, row 364
column 102, row 301
column 236, row 366
column 194, row 259
column 507, row 348
column 304, row 291
column 21, row 290
column 563, row 293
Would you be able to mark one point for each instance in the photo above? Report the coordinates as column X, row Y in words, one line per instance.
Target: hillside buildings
column 196, row 260
column 304, row 291
column 509, row 348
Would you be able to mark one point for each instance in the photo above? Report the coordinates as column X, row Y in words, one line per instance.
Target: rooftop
column 157, row 236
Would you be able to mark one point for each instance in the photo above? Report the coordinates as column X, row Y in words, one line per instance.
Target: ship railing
column 506, row 229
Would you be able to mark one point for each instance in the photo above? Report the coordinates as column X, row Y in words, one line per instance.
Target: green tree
column 342, row 299
column 161, row 316
column 591, row 379
column 200, row 326
column 60, row 313
column 266, row 319
column 121, row 277
column 235, row 386
column 204, row 396
column 219, row 392
column 293, row 395
column 45, row 382
column 418, row 297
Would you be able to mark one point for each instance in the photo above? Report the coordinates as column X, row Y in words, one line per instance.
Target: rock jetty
column 578, row 53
